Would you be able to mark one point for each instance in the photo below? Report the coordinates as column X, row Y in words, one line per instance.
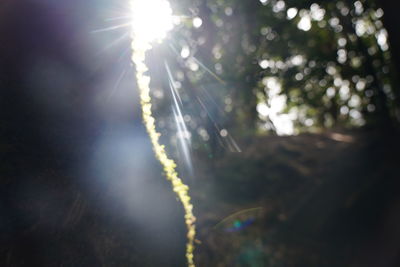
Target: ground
column 326, row 199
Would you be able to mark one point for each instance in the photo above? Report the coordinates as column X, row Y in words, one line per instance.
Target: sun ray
column 124, row 53
column 183, row 140
column 151, row 24
column 214, row 75
column 208, row 70
column 113, row 27
column 211, row 99
column 117, row 83
column 116, row 41
column 180, row 122
column 223, row 135
column 172, row 82
column 119, row 18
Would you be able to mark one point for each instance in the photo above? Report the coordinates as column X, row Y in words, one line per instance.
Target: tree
column 293, row 66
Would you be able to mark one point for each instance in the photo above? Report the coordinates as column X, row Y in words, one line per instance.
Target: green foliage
column 289, row 66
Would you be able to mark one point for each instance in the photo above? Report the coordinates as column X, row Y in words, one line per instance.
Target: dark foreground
column 322, row 200
column 79, row 185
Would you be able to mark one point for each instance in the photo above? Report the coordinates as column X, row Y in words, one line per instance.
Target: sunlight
column 151, row 20
column 275, row 106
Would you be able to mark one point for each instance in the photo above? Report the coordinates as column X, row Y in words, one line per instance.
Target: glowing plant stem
column 181, row 190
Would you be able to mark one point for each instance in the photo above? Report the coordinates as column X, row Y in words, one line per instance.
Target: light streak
column 117, row 83
column 183, row 139
column 145, row 31
column 112, row 28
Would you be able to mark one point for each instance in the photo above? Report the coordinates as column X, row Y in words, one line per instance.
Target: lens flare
column 151, row 20
column 239, row 220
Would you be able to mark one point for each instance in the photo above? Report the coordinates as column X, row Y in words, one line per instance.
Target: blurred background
column 283, row 118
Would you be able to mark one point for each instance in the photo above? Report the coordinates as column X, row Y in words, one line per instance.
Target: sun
column 151, row 20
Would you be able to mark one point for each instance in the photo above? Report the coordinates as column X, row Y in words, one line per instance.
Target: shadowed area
column 282, row 117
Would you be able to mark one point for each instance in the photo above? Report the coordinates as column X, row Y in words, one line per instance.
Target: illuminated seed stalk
column 181, row 190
